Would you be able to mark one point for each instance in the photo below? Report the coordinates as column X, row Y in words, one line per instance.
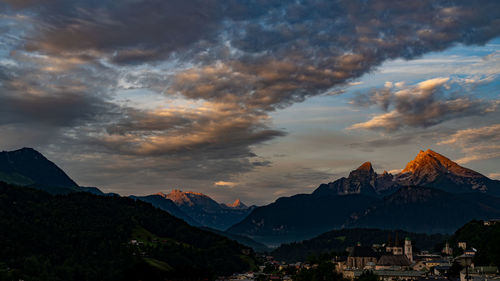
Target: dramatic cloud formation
column 220, row 68
column 215, row 130
column 426, row 104
column 477, row 144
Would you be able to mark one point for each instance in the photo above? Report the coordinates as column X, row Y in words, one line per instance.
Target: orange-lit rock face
column 430, row 168
column 237, row 204
column 367, row 166
column 180, row 198
column 431, row 163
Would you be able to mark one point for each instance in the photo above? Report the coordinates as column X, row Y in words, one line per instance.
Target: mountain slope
column 429, row 168
column 363, row 180
column 243, row 240
column 28, row 167
column 168, row 206
column 367, row 199
column 423, row 209
column 432, row 169
column 338, row 240
column 237, row 204
column 484, row 238
column 205, row 211
column 300, row 217
column 81, row 236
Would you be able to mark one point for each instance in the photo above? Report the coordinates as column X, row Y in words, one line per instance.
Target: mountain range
column 199, row 209
column 432, row 194
column 429, row 168
column 28, row 167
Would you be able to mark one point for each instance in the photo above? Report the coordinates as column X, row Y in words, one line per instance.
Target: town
column 393, row 260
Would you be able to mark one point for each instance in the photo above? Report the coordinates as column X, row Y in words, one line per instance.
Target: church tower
column 408, row 249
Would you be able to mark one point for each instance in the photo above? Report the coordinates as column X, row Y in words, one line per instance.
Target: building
column 491, row 222
column 387, row 275
column 435, row 263
column 394, row 248
column 360, row 256
column 470, row 252
column 462, row 245
column 447, row 250
column 408, row 249
column 399, row 275
column 393, row 262
column 481, row 273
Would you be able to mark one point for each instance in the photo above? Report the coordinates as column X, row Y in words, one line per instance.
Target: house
column 481, row 273
column 419, row 266
column 491, row 222
column 441, row 270
column 470, row 252
column 434, row 263
column 387, row 275
column 392, row 262
column 399, row 275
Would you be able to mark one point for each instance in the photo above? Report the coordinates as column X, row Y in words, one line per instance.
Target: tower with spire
column 408, row 249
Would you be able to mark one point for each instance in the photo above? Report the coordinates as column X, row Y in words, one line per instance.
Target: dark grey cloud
column 31, row 96
column 260, row 54
column 239, row 59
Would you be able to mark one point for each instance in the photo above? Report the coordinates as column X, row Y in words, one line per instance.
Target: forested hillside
column 82, row 236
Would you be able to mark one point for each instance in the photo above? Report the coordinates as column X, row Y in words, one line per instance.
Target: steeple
column 408, row 249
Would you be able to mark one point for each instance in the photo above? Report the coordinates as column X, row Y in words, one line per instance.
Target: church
column 394, row 255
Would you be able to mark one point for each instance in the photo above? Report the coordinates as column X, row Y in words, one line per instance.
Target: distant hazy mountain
column 237, row 204
column 452, row 196
column 300, row 217
column 167, row 205
column 28, row 167
column 243, row 240
column 199, row 209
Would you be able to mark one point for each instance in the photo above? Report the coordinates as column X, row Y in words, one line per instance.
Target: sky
column 252, row 99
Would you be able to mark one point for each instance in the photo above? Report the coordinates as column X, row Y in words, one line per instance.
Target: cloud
column 64, row 65
column 225, row 183
column 213, row 131
column 425, row 104
column 266, row 54
column 477, row 143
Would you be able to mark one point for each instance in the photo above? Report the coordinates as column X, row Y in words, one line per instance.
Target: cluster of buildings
column 392, row 261
column 397, row 261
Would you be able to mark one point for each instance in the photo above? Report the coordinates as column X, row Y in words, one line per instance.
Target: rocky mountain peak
column 237, row 204
column 432, row 164
column 364, row 172
column 179, row 197
column 367, row 166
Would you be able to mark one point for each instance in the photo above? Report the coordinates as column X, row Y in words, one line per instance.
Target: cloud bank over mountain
column 221, row 68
